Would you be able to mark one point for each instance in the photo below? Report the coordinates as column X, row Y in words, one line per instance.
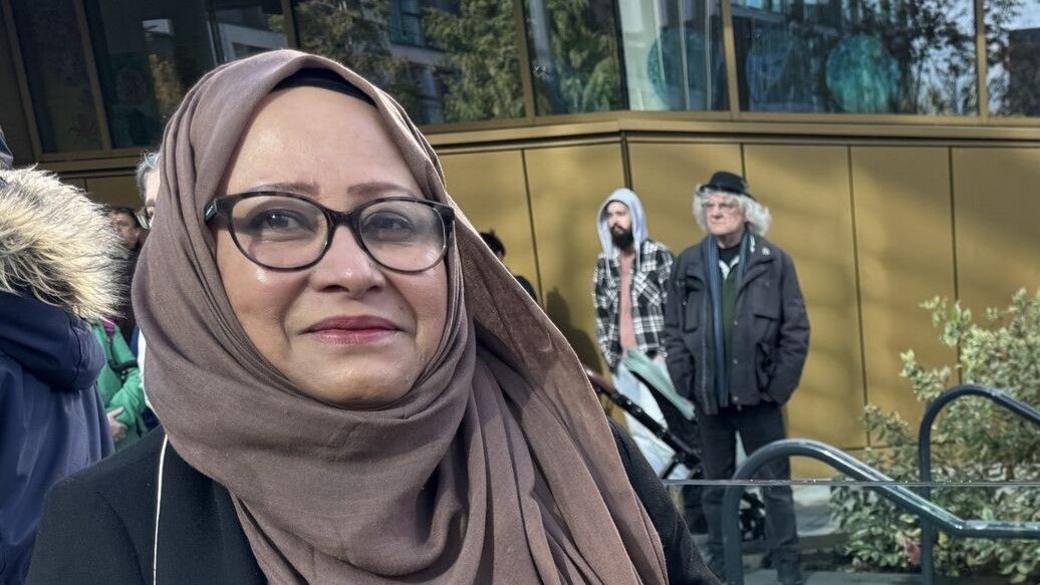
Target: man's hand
column 115, row 428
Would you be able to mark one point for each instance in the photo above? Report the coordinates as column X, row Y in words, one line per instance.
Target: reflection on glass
column 856, row 56
column 57, row 75
column 1013, row 53
column 673, row 54
column 574, row 56
column 149, row 53
column 443, row 60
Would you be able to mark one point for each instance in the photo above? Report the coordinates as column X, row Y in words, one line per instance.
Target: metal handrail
column 849, row 465
column 924, row 453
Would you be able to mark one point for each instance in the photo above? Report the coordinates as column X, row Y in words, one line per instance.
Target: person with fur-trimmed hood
column 57, row 273
column 737, row 336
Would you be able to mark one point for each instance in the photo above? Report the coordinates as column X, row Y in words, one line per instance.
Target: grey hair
column 757, row 215
column 149, row 164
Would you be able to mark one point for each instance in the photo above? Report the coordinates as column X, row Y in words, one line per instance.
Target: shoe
column 789, row 573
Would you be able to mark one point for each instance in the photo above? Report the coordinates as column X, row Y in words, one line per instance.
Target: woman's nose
column 347, row 266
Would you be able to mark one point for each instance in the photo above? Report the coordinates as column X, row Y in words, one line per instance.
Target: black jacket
column 99, row 526
column 770, row 333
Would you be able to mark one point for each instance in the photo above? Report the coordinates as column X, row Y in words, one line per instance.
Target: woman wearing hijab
column 351, row 389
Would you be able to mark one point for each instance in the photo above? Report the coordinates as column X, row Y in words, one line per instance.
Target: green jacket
column 120, row 384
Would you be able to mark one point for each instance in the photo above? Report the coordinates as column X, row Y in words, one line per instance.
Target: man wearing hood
column 57, row 272
column 737, row 335
column 629, row 295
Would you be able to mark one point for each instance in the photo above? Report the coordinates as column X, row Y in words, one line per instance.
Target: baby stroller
column 686, row 453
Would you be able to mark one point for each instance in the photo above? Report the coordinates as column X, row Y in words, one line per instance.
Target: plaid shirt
column 652, row 271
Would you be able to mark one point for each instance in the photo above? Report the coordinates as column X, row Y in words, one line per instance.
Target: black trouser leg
column 718, row 457
column 758, row 426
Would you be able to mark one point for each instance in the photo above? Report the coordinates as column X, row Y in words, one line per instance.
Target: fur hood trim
column 57, row 245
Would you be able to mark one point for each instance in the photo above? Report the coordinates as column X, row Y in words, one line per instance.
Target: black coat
column 770, row 332
column 99, row 526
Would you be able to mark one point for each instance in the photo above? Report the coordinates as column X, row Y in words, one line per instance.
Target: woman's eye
column 389, row 227
column 279, row 221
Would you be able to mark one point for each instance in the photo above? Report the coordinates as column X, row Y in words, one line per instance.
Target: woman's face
column 346, row 330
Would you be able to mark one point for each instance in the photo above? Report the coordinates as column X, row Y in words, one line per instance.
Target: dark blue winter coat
column 52, row 420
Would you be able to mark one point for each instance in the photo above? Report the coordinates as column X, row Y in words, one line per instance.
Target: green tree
column 973, row 440
column 355, row 33
column 482, row 69
column 584, row 75
column 1018, row 98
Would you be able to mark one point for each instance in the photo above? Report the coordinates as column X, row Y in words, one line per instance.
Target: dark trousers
column 758, row 426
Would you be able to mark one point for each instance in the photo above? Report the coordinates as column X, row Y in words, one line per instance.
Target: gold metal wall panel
column 996, row 211
column 904, row 238
column 807, row 190
column 114, row 190
column 665, row 175
column 567, row 186
column 489, row 187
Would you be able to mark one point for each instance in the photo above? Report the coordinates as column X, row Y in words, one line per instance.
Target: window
column 443, row 60
column 406, row 23
column 150, row 52
column 856, row 56
column 1013, row 57
column 574, row 56
column 673, row 55
column 56, row 71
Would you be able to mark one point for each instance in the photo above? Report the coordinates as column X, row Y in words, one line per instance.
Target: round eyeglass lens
column 278, row 231
column 403, row 235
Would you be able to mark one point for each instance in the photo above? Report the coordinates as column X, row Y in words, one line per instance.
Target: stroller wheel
column 752, row 518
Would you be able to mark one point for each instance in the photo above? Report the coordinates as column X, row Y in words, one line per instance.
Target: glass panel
column 856, row 56
column 149, row 52
column 57, row 75
column 443, row 60
column 574, row 56
column 1013, row 53
column 673, row 55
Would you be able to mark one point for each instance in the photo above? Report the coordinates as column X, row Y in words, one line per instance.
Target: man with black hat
column 736, row 335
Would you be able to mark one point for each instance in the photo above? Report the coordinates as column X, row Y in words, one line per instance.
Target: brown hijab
column 497, row 467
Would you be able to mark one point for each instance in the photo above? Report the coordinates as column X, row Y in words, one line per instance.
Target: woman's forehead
column 321, row 143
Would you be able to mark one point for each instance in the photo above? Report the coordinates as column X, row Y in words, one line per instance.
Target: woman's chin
column 368, row 386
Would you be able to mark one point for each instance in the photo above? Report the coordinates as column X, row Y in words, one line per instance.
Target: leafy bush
column 973, row 440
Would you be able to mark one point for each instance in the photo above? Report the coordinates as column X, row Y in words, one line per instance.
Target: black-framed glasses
column 285, row 231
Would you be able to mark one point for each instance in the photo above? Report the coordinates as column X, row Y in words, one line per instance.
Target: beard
column 622, row 238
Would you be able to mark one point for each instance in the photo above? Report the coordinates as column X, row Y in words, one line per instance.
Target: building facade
column 896, row 142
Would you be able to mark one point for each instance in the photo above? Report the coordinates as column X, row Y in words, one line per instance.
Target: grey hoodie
column 635, row 207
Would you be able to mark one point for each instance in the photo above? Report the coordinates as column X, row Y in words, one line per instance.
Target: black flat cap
column 729, row 183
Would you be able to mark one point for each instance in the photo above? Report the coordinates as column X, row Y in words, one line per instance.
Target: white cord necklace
column 158, row 509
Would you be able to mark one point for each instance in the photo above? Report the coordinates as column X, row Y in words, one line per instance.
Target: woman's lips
column 352, row 330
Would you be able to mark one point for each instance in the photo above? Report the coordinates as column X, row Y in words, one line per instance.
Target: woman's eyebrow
column 296, row 187
column 375, row 188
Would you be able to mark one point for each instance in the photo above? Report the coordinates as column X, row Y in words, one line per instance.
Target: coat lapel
column 200, row 538
column 761, row 259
